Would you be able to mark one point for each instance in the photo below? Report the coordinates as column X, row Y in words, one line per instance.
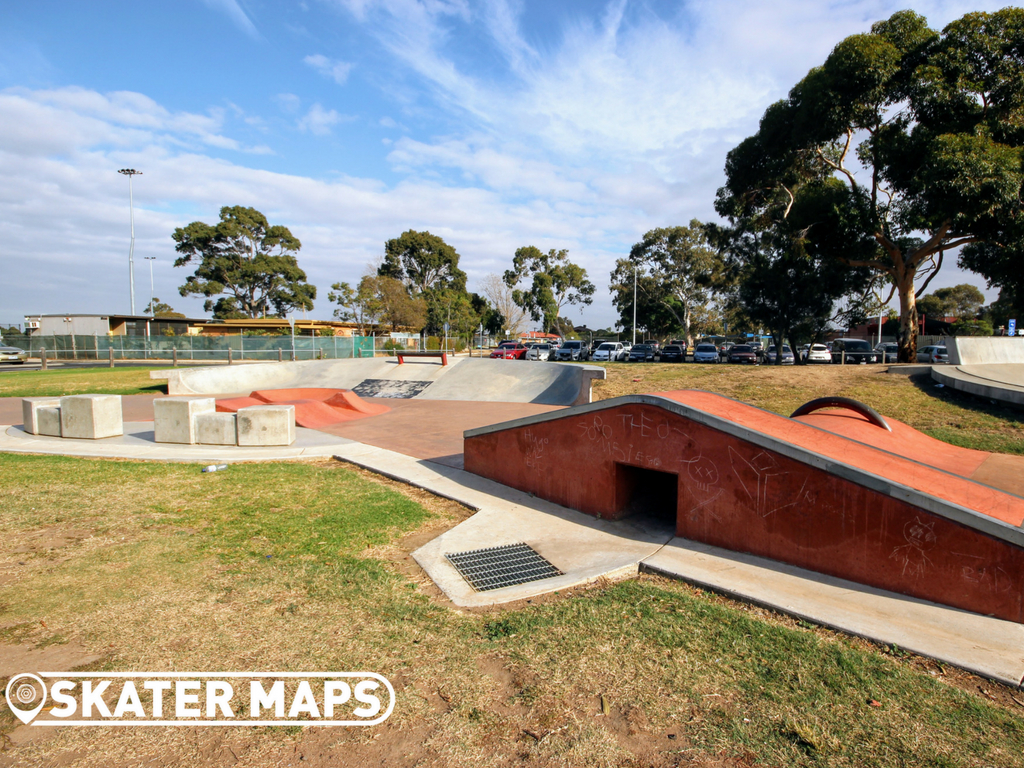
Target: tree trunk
column 907, row 338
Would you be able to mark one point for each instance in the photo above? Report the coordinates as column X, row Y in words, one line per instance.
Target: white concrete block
column 266, row 425
column 48, row 421
column 216, row 429
column 91, row 417
column 174, row 418
column 29, row 410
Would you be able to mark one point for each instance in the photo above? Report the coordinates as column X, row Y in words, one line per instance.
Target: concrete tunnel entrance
column 647, row 494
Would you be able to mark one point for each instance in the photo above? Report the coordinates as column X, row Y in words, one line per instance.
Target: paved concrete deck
column 586, row 549
column 1002, row 382
column 138, row 443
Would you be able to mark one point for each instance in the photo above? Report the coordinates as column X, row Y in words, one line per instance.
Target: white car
column 609, row 351
column 539, row 352
column 706, row 353
column 932, row 354
column 817, row 353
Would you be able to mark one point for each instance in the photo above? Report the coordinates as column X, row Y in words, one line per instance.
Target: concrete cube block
column 29, row 411
column 174, row 418
column 266, row 425
column 216, row 429
column 48, row 421
column 91, row 417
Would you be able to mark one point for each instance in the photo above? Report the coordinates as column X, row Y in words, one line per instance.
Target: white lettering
column 93, row 698
column 218, row 694
column 70, row 702
column 181, row 698
column 304, row 701
column 372, row 702
column 258, row 698
column 129, row 700
column 335, row 692
column 158, row 687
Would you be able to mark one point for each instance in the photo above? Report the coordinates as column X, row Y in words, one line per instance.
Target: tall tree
column 911, row 141
column 512, row 316
column 250, row 262
column 555, row 283
column 680, row 273
column 423, row 262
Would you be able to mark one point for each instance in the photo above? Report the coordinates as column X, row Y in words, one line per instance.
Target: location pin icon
column 21, row 691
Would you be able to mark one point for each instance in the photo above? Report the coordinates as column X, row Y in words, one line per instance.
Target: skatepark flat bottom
column 430, row 429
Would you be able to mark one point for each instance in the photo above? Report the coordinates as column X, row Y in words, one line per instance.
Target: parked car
column 539, row 352
column 572, row 350
column 641, row 353
column 932, row 354
column 510, row 350
column 609, row 352
column 13, row 355
column 673, row 353
column 854, row 351
column 817, row 353
column 724, row 347
column 743, row 353
column 787, row 355
column 706, row 353
column 889, row 351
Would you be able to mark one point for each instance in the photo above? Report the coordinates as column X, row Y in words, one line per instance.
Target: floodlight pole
column 151, row 259
column 634, row 305
column 129, row 172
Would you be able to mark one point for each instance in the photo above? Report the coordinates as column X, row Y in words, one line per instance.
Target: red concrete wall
column 737, row 495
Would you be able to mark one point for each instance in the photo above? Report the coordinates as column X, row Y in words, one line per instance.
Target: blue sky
column 494, row 124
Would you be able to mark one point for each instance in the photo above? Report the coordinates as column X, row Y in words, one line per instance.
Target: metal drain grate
column 497, row 567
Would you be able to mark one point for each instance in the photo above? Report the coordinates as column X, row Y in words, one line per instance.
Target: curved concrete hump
column 829, row 492
column 972, row 350
column 473, row 379
column 991, row 367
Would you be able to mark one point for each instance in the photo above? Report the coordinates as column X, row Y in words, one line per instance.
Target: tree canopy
column 555, row 282
column 249, row 264
column 905, row 144
column 677, row 276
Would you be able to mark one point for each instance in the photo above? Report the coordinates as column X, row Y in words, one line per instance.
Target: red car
column 509, row 350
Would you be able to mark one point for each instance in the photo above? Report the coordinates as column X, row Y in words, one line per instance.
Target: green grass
column 99, row 381
column 292, row 566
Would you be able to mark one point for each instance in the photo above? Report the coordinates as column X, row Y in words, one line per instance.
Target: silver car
column 13, row 355
column 932, row 354
column 706, row 353
column 539, row 352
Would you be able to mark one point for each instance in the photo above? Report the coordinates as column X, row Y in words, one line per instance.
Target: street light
column 152, row 300
column 129, row 172
column 634, row 305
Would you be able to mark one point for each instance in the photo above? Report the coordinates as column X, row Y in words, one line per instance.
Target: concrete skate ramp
column 473, row 379
column 821, row 492
column 987, row 366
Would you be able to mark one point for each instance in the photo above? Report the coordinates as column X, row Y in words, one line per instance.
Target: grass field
column 76, row 381
column 304, row 566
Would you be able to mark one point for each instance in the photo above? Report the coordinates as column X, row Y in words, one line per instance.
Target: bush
column 972, row 328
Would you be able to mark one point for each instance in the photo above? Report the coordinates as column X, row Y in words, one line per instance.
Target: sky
column 494, row 124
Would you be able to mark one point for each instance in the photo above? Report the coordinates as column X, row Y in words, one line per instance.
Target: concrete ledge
column 48, row 421
column 91, row 417
column 30, row 408
column 993, row 382
column 266, row 425
column 174, row 418
column 216, row 429
column 973, row 350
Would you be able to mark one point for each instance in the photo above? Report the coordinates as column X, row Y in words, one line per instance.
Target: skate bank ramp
column 464, row 378
column 986, row 366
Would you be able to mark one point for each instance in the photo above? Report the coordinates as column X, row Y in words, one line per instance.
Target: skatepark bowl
column 831, row 492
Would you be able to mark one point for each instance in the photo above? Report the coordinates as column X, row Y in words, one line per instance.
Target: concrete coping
column 885, row 486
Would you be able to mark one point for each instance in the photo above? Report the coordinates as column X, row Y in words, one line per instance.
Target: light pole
column 634, row 305
column 129, row 172
column 152, row 300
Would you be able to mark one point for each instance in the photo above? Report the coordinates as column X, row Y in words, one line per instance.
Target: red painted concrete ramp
column 314, row 408
column 829, row 491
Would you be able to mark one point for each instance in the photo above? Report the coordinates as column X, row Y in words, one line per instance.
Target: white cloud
column 288, row 102
column 336, row 70
column 318, row 120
